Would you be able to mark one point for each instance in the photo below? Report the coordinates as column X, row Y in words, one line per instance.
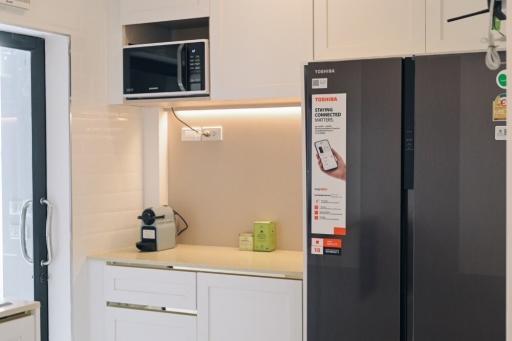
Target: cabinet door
column 234, row 308
column 137, row 11
column 356, row 29
column 459, row 36
column 258, row 48
column 151, row 287
column 23, row 329
column 137, row 325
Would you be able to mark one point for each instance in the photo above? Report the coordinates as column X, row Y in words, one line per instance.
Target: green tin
column 265, row 236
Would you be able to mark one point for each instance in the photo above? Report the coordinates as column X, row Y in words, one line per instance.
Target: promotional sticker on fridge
column 328, row 181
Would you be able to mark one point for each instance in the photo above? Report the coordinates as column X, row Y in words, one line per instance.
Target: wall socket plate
column 214, row 134
column 188, row 135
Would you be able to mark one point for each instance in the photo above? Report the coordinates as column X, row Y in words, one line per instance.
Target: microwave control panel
column 196, row 66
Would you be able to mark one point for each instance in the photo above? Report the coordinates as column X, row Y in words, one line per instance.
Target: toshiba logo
column 326, row 99
column 324, row 71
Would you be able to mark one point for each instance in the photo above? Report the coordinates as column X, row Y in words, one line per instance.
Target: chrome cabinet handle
column 49, row 246
column 180, row 66
column 23, row 231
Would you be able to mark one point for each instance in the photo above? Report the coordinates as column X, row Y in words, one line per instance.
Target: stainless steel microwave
column 164, row 70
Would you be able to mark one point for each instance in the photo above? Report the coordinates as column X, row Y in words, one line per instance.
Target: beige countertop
column 10, row 308
column 227, row 260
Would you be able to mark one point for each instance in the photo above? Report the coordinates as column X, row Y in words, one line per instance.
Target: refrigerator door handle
column 49, row 217
column 23, row 231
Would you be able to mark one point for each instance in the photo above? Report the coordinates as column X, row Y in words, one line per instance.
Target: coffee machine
column 158, row 229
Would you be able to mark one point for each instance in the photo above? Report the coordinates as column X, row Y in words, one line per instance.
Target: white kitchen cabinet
column 258, row 48
column 144, row 11
column 21, row 329
column 358, row 29
column 137, row 325
column 459, row 36
column 234, row 308
column 151, row 287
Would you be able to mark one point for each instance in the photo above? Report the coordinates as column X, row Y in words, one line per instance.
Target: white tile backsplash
column 107, row 173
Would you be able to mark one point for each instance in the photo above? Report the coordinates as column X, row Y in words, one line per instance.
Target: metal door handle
column 180, row 66
column 23, row 231
column 49, row 246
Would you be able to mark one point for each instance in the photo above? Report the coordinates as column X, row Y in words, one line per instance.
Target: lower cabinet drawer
column 151, row 287
column 22, row 329
column 137, row 325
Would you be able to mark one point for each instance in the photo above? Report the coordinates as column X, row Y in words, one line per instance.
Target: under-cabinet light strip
column 242, row 112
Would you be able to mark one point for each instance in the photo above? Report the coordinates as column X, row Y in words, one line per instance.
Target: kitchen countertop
column 226, row 260
column 16, row 307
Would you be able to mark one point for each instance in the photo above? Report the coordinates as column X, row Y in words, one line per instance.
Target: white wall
column 106, row 143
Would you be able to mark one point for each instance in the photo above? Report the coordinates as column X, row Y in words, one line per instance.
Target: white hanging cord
column 492, row 59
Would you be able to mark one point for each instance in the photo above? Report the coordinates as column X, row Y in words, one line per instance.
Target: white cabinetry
column 137, row 325
column 22, row 329
column 463, row 35
column 151, row 287
column 355, row 29
column 361, row 29
column 142, row 11
column 258, row 48
column 234, row 308
column 129, row 303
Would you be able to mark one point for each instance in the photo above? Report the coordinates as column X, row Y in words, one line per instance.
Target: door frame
column 36, row 47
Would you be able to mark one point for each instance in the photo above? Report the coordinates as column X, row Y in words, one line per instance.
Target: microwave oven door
column 164, row 70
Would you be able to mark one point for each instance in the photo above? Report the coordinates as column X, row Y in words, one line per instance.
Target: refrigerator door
column 356, row 296
column 458, row 204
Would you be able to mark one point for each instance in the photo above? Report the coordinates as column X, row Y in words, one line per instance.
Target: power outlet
column 189, row 135
column 211, row 134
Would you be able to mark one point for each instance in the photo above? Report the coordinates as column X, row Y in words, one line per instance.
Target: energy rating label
column 326, row 246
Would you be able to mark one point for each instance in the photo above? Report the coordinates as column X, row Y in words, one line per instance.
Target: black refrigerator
column 419, row 250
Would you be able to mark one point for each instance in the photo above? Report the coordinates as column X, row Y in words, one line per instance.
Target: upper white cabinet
column 463, row 35
column 234, row 308
column 258, row 48
column 142, row 11
column 355, row 29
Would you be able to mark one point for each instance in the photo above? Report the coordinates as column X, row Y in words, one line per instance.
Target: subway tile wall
column 107, row 181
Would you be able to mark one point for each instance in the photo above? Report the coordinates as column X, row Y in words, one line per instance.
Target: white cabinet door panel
column 138, row 325
column 258, row 48
column 358, row 29
column 23, row 329
column 459, row 36
column 137, row 11
column 234, row 308
column 151, row 287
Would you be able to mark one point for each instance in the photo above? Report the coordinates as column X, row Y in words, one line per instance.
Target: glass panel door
column 23, row 273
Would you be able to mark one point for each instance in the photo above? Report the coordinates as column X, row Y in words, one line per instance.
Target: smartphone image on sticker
column 324, row 150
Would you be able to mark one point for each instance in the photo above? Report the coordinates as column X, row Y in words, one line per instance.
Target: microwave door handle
column 180, row 67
